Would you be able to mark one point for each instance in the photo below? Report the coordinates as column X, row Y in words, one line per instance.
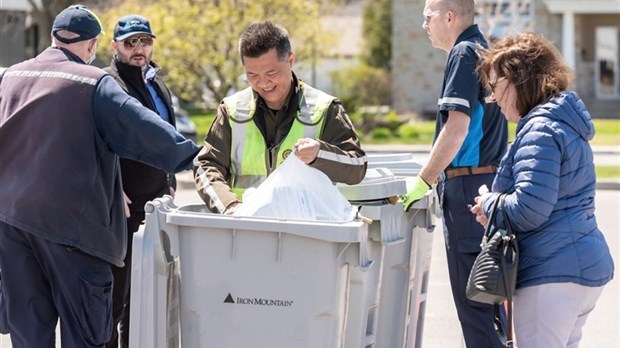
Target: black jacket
column 142, row 182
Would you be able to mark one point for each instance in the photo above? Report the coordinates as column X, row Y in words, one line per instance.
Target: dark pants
column 122, row 288
column 44, row 281
column 463, row 235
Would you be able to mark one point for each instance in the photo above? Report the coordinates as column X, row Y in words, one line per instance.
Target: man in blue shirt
column 470, row 140
column 137, row 74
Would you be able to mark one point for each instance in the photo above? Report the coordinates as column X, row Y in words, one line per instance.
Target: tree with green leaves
column 197, row 40
column 369, row 82
column 377, row 30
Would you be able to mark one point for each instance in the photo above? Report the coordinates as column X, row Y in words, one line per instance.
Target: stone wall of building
column 13, row 39
column 417, row 66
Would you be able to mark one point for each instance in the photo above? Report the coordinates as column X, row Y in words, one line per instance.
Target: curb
column 608, row 184
column 599, row 149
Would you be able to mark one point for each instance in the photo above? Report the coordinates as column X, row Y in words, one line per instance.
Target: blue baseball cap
column 79, row 20
column 131, row 25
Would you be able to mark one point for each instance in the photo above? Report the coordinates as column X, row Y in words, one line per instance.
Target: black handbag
column 493, row 277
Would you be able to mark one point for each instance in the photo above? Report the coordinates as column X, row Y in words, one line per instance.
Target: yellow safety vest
column 249, row 153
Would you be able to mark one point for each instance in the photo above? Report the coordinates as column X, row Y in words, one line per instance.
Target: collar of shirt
column 471, row 31
column 149, row 73
column 72, row 56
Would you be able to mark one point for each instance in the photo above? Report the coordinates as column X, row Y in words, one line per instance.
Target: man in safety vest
column 256, row 128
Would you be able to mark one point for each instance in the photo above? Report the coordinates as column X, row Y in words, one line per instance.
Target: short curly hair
column 531, row 63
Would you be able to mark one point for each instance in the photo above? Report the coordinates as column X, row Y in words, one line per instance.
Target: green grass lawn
column 607, row 133
column 203, row 122
column 608, row 172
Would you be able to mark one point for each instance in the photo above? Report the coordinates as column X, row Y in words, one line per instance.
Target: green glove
column 416, row 193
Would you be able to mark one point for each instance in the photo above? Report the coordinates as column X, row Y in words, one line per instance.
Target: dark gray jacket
column 142, row 182
column 62, row 125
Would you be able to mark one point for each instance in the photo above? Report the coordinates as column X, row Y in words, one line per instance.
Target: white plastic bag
column 296, row 191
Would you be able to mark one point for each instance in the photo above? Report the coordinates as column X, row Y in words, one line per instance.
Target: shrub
column 392, row 121
column 362, row 85
column 408, row 131
column 381, row 133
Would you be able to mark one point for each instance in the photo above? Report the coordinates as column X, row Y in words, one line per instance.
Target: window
column 500, row 17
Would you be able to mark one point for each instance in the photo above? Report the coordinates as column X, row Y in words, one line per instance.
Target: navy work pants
column 463, row 235
column 43, row 281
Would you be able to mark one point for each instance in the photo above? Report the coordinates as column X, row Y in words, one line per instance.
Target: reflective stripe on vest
column 249, row 153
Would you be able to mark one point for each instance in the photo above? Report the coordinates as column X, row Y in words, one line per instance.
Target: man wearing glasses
column 470, row 140
column 134, row 71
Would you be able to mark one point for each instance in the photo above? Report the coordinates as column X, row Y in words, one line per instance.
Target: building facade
column 13, row 36
column 586, row 32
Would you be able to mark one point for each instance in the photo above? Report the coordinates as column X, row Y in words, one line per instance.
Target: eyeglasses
column 428, row 14
column 493, row 85
column 132, row 42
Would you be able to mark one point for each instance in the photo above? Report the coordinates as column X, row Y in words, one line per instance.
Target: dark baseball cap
column 79, row 20
column 131, row 25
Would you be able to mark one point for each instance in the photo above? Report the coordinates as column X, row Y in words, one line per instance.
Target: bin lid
column 401, row 164
column 389, row 157
column 409, row 165
column 378, row 184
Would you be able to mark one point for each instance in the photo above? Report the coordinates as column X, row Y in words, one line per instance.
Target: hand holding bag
column 296, row 190
column 493, row 277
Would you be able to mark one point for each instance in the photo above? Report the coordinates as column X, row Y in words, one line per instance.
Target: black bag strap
column 489, row 229
column 505, row 216
column 505, row 335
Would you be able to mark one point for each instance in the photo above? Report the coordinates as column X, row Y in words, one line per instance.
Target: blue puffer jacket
column 548, row 175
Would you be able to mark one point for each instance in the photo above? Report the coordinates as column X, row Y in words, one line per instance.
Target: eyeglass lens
column 133, row 42
column 493, row 85
column 428, row 14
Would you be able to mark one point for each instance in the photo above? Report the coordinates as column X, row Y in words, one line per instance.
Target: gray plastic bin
column 252, row 282
column 406, row 266
column 263, row 282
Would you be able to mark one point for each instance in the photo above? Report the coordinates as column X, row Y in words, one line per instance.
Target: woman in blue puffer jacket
column 549, row 181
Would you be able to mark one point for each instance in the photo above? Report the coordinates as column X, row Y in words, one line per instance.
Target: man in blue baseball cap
column 63, row 126
column 133, row 44
column 132, row 25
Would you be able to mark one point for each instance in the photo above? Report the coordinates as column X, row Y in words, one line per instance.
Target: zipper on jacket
column 270, row 158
